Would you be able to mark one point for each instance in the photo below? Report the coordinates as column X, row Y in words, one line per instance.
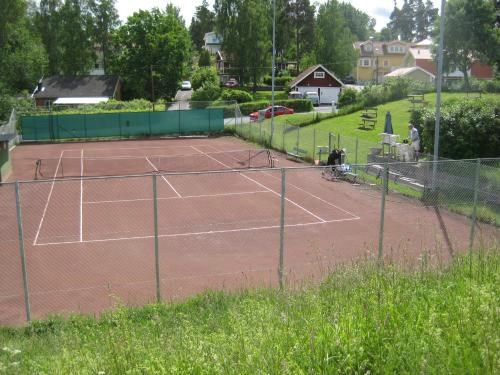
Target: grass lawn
column 360, row 320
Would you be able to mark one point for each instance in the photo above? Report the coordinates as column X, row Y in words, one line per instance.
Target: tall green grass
column 361, row 319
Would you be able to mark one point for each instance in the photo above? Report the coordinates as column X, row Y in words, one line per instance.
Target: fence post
column 282, row 229
column 338, row 141
column 260, row 132
column 120, row 125
column 382, row 212
column 157, row 258
column 149, row 124
column 283, row 137
column 474, row 209
column 179, row 118
column 356, row 156
column 329, row 142
column 298, row 138
column 85, row 125
column 209, row 120
column 22, row 253
column 314, row 144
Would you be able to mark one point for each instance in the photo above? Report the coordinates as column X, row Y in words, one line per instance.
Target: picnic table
column 416, row 100
column 369, row 117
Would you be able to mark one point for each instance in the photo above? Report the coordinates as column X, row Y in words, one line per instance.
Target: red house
column 318, row 79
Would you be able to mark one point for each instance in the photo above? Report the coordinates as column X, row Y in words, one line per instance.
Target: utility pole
column 273, row 71
column 439, row 81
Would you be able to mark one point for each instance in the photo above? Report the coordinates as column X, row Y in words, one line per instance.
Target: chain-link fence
column 85, row 244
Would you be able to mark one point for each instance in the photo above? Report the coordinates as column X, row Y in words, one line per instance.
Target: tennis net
column 66, row 167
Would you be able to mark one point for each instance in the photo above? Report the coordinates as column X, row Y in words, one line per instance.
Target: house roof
column 421, row 53
column 77, row 87
column 309, row 71
column 378, row 48
column 425, row 43
column 405, row 71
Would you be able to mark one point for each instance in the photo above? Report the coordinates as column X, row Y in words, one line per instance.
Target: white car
column 186, row 85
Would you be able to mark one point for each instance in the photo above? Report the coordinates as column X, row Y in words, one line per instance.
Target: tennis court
column 90, row 241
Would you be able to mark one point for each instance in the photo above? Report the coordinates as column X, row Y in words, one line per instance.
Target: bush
column 347, row 97
column 491, row 86
column 239, row 95
column 206, row 76
column 207, row 93
column 278, row 81
column 469, row 128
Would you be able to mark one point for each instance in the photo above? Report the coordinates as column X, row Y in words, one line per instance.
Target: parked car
column 279, row 110
column 295, row 95
column 186, row 85
column 313, row 97
column 232, row 82
column 349, row 80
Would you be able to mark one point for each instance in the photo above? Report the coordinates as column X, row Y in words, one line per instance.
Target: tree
column 205, row 58
column 152, row 39
column 22, row 55
column 202, row 22
column 300, row 17
column 48, row 25
column 206, row 76
column 245, row 27
column 106, row 21
column 469, row 34
column 360, row 23
column 414, row 21
column 334, row 41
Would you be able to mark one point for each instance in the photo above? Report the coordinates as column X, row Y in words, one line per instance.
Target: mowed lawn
column 346, row 127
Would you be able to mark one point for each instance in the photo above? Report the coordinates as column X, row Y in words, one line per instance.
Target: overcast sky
column 378, row 9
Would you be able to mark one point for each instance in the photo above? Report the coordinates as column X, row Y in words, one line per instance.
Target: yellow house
column 376, row 59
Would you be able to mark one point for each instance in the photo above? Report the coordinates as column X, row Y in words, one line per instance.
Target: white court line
column 169, row 184
column 264, row 186
column 48, row 198
column 307, row 192
column 128, row 148
column 81, row 196
column 183, row 197
column 199, row 233
column 314, row 196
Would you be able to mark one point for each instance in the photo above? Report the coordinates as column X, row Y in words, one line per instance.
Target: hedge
column 469, row 128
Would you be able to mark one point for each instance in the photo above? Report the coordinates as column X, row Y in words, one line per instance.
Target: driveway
column 182, row 99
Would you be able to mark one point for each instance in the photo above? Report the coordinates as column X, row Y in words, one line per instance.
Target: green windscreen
column 122, row 124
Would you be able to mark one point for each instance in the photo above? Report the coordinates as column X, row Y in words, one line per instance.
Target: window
column 386, row 63
column 396, row 49
column 364, row 62
column 319, row 74
column 368, row 47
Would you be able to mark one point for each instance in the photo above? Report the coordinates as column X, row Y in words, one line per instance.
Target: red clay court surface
column 90, row 243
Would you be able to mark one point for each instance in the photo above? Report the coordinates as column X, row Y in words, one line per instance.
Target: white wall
column 328, row 94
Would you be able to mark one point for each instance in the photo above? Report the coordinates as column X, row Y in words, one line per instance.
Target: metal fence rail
column 84, row 244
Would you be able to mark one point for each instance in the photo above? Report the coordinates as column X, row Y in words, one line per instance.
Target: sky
column 378, row 9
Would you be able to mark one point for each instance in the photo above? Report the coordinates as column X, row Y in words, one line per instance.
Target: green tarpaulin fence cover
column 122, row 124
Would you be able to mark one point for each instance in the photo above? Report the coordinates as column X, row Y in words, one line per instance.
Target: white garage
column 320, row 80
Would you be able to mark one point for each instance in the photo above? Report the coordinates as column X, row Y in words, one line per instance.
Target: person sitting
column 335, row 157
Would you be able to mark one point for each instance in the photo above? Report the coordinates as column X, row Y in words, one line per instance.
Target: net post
column 382, row 212
column 282, row 229
column 157, row 258
column 22, row 252
column 474, row 212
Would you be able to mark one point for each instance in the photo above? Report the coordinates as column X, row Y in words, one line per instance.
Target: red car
column 278, row 111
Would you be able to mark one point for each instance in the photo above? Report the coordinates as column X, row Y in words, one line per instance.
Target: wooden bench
column 369, row 117
column 296, row 153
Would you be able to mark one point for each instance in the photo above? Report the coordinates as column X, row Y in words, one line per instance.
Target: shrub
column 207, row 93
column 469, row 128
column 278, row 81
column 239, row 95
column 206, row 76
column 491, row 86
column 347, row 96
column 205, row 59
